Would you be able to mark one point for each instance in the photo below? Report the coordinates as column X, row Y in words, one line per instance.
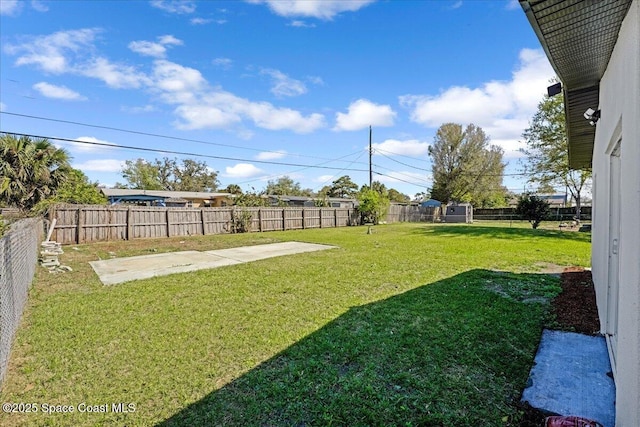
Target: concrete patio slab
column 120, row 270
column 571, row 376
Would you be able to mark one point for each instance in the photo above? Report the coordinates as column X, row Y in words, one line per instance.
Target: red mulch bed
column 575, row 310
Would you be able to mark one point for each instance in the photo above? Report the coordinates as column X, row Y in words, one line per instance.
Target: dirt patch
column 575, row 308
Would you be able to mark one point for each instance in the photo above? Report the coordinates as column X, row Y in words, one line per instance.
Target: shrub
column 533, row 209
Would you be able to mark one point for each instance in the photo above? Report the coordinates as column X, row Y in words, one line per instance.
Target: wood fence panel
column 66, row 225
column 216, row 220
column 328, row 218
column 184, row 221
column 271, row 219
column 149, row 222
column 294, row 218
column 343, row 217
column 312, row 218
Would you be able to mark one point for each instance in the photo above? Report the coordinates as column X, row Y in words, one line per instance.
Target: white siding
column 620, row 107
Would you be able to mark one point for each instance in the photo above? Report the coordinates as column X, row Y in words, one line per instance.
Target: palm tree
column 30, row 170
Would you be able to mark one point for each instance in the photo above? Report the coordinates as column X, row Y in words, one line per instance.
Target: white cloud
column 58, row 92
column 513, row 5
column 411, row 147
column 301, row 24
column 316, row 80
column 179, row 7
column 457, row 5
column 91, row 147
column 224, row 63
column 502, row 108
column 139, row 110
column 325, row 178
column 10, row 7
column 49, row 53
column 197, row 105
column 156, row 50
column 168, row 39
column 148, row 48
column 242, row 170
column 283, row 85
column 3, row 106
column 101, row 165
column 200, row 21
column 321, row 9
column 116, row 76
column 271, row 155
column 363, row 113
column 39, row 6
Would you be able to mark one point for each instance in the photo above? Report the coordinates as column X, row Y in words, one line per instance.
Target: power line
column 155, row 135
column 181, row 153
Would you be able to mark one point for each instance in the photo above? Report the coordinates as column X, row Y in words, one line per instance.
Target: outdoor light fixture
column 592, row 115
column 554, row 89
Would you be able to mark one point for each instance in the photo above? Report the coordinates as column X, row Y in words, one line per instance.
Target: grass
column 415, row 324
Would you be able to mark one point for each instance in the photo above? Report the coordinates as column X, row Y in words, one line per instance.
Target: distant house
column 594, row 47
column 305, row 201
column 554, row 200
column 181, row 199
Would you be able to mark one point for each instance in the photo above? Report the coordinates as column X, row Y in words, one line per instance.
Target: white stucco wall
column 620, row 107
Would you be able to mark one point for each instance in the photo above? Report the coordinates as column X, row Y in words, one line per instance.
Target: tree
column 233, row 189
column 141, row 175
column 547, row 158
column 30, row 170
column 169, row 174
column 285, row 186
column 533, row 209
column 466, row 168
column 343, row 187
column 77, row 189
column 396, row 196
column 372, row 205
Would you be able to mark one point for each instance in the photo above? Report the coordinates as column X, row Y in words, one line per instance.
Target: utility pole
column 370, row 158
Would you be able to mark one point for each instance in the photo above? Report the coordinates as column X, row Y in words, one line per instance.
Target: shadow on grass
column 456, row 352
column 501, row 232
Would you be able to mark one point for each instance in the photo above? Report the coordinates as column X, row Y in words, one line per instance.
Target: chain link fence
column 18, row 261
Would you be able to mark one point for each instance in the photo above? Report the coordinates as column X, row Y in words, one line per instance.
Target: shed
column 459, row 213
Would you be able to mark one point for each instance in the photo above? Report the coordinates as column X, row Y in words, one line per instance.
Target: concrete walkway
column 571, row 376
column 119, row 270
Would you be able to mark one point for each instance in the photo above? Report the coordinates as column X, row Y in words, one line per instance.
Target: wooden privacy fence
column 412, row 213
column 93, row 223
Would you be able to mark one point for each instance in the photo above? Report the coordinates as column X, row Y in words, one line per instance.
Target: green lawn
column 432, row 325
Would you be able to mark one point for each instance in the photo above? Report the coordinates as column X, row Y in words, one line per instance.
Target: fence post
column 335, row 218
column 80, row 224
column 202, row 219
column 168, row 224
column 129, row 223
column 284, row 220
column 303, row 220
column 260, row 220
column 320, row 217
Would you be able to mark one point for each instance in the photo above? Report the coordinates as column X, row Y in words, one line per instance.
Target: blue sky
column 263, row 88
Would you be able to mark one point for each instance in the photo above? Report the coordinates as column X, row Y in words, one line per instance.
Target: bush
column 373, row 206
column 533, row 209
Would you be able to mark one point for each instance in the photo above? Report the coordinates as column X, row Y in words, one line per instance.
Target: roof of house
column 118, row 192
column 578, row 37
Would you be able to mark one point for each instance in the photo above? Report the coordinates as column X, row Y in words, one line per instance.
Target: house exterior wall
column 620, row 107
